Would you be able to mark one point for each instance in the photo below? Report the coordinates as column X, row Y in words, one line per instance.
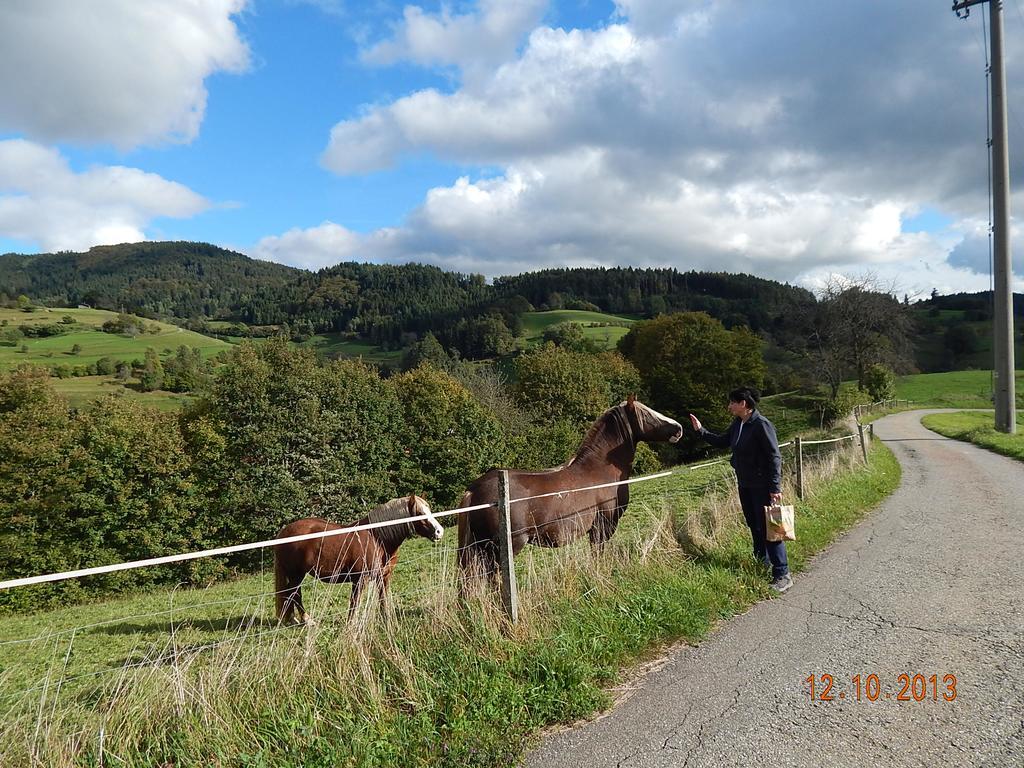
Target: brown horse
column 360, row 557
column 605, row 456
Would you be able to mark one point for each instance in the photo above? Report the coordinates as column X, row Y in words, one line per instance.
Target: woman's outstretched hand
column 695, row 423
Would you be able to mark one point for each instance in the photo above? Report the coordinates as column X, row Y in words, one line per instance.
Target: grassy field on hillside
column 85, row 331
column 202, row 677
column 979, row 428
column 604, row 329
column 956, row 389
column 53, row 351
column 333, row 345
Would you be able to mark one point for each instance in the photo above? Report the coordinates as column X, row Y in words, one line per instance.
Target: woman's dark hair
column 747, row 395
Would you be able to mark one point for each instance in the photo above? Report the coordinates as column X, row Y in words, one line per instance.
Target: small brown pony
column 360, row 557
column 605, row 456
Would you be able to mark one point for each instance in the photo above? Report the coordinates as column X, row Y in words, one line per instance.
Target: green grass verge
column 979, row 428
column 433, row 685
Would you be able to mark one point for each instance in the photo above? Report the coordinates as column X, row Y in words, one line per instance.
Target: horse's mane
column 613, row 420
column 389, row 511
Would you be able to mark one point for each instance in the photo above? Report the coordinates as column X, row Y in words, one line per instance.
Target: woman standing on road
column 758, row 465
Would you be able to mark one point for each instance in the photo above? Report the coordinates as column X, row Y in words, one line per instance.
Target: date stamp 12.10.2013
column 907, row 686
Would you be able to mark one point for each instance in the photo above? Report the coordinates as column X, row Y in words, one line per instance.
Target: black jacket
column 755, row 455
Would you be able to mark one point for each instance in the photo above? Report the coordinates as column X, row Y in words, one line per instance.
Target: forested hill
column 382, row 303
column 173, row 279
column 735, row 299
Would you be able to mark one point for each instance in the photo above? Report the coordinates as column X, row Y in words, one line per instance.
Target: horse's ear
column 412, row 503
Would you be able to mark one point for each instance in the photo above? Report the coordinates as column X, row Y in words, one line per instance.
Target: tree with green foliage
column 426, row 350
column 186, row 371
column 105, row 483
column 568, row 335
column 448, row 438
column 689, row 362
column 280, row 436
column 25, row 303
column 880, row 382
column 561, row 385
column 151, row 373
column 960, row 340
column 106, row 366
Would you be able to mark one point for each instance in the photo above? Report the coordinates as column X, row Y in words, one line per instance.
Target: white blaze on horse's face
column 422, row 508
column 651, row 420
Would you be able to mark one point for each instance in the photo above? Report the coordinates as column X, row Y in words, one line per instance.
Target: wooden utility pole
column 1005, row 394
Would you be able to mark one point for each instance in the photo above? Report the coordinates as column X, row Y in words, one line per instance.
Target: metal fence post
column 863, row 446
column 509, row 591
column 799, row 468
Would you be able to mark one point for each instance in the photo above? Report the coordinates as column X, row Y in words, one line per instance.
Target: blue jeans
column 771, row 553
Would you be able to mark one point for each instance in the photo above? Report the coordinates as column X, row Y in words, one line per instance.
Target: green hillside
column 603, row 329
column 85, row 331
column 82, row 327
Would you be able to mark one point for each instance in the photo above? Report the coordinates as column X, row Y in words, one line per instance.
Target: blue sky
column 793, row 141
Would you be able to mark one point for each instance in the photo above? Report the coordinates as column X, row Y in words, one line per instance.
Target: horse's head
column 428, row 527
column 649, row 425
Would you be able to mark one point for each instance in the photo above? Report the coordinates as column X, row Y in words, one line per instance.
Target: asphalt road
column 930, row 583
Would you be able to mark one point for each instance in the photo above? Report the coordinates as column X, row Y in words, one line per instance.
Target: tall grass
column 424, row 678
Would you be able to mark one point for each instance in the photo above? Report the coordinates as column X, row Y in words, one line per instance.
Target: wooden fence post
column 863, row 446
column 799, row 468
column 509, row 591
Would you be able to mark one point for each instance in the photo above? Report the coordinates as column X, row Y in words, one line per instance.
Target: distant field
column 95, row 344
column 956, row 389
column 332, row 345
column 56, row 350
column 534, row 324
column 80, row 390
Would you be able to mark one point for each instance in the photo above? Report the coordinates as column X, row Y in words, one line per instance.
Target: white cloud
column 43, row 200
column 313, row 248
column 760, row 137
column 541, row 103
column 474, row 42
column 113, row 71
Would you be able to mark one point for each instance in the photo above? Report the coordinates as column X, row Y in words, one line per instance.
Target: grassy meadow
column 197, row 677
column 599, row 327
column 955, row 389
column 979, row 428
column 52, row 351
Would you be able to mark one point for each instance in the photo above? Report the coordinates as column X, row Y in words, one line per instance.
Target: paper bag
column 779, row 522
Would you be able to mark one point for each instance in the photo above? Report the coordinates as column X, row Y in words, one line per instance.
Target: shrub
column 880, row 382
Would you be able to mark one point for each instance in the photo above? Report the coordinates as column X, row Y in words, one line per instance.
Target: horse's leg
column 357, row 589
column 606, row 521
column 598, row 532
column 385, row 577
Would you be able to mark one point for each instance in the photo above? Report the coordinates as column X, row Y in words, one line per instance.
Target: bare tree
column 857, row 322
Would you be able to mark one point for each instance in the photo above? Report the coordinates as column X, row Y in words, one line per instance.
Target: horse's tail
column 466, row 539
